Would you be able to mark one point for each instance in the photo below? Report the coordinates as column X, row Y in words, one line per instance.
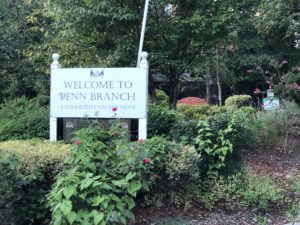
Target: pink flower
column 141, row 141
column 76, row 142
column 114, row 109
column 284, row 62
column 155, row 175
column 295, row 86
column 147, row 161
column 256, row 91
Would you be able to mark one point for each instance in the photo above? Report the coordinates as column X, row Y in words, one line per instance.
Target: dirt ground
column 264, row 160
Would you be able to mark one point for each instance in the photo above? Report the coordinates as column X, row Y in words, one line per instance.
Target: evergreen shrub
column 27, row 171
column 238, row 101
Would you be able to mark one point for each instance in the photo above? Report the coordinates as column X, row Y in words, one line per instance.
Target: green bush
column 238, row 101
column 24, row 119
column 27, row 171
column 184, row 131
column 193, row 112
column 102, row 180
column 275, row 123
column 243, row 122
column 176, row 171
column 162, row 99
column 160, row 120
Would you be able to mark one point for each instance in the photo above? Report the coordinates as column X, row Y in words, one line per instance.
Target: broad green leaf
column 66, row 207
column 71, row 216
column 130, row 175
column 134, row 187
column 69, row 191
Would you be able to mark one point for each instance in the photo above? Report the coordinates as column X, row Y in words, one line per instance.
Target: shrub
column 193, row 112
column 160, row 120
column 238, row 101
column 213, row 110
column 162, row 99
column 102, row 180
column 27, row 171
column 176, row 170
column 278, row 126
column 24, row 119
column 184, row 131
column 244, row 132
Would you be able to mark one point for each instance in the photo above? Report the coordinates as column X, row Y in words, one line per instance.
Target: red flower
column 147, row 161
column 256, row 91
column 77, row 142
column 114, row 109
column 141, row 141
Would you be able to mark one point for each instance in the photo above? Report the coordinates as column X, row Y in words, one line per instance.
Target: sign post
column 53, row 120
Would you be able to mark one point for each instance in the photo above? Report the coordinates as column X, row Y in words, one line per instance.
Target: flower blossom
column 76, row 142
column 256, row 91
column 284, row 62
column 114, row 109
column 295, row 86
column 147, row 161
column 141, row 141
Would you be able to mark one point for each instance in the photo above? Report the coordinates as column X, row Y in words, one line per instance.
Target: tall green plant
column 102, row 181
column 215, row 148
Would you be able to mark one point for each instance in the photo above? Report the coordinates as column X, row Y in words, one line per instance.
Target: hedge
column 27, row 171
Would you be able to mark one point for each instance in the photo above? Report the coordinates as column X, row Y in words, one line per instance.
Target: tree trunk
column 219, row 92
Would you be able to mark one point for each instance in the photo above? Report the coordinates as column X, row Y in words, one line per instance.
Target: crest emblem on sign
column 96, row 74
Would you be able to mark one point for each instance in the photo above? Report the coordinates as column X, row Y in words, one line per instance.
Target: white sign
column 99, row 93
column 271, row 103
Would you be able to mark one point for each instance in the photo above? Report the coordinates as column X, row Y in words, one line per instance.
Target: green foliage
column 259, row 192
column 275, row 123
column 175, row 168
column 193, row 112
column 27, row 171
column 238, row 101
column 184, row 131
column 162, row 99
column 103, row 178
column 222, row 190
column 160, row 120
column 24, row 119
column 243, row 122
column 245, row 189
column 214, row 148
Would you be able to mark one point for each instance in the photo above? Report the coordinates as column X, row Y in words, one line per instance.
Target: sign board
column 99, row 93
column 271, row 103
